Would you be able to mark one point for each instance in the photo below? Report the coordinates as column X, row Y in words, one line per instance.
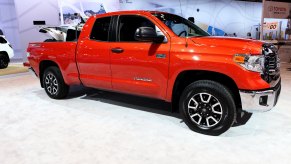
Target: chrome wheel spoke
column 195, row 102
column 195, row 116
column 54, row 90
column 207, row 99
column 55, row 82
column 50, row 76
column 211, row 118
column 47, row 81
column 214, row 110
column 49, row 88
column 191, row 107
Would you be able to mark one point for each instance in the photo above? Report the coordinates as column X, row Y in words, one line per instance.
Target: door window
column 100, row 31
column 128, row 24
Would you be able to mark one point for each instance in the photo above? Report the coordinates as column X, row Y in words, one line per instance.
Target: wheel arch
column 187, row 77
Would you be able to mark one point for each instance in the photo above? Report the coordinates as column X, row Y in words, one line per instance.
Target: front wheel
column 207, row 107
column 54, row 84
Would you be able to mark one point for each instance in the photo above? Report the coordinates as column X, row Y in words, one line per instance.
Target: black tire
column 54, row 83
column 4, row 61
column 211, row 117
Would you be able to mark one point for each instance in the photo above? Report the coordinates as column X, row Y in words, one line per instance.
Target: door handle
column 117, row 50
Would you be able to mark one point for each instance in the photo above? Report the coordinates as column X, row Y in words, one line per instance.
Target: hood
column 237, row 44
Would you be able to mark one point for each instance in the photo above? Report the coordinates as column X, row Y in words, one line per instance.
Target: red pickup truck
column 213, row 81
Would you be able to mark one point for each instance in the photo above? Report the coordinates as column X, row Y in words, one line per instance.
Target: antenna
column 181, row 8
column 186, row 37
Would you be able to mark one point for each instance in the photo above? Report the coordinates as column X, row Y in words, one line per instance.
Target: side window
column 2, row 40
column 100, row 29
column 128, row 24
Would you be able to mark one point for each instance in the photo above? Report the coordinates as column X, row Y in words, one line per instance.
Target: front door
column 139, row 67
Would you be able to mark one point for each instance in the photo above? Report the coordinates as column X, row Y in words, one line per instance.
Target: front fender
column 222, row 64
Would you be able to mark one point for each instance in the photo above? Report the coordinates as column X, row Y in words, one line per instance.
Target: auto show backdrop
column 9, row 25
column 278, row 10
column 86, row 8
column 217, row 17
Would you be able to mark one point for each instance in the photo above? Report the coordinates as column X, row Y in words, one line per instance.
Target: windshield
column 180, row 26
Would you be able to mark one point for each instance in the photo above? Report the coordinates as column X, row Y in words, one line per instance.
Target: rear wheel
column 54, row 84
column 4, row 61
column 207, row 107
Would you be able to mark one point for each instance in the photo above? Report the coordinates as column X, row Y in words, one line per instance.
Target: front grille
column 272, row 63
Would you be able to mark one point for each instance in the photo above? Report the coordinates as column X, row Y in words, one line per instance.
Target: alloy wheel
column 51, row 84
column 205, row 110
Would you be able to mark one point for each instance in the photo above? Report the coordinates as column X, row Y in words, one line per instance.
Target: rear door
column 139, row 67
column 93, row 56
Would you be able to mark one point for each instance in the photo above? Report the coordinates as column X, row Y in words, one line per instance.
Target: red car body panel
column 62, row 53
column 94, row 65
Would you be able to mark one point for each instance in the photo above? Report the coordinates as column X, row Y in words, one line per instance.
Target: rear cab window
column 100, row 30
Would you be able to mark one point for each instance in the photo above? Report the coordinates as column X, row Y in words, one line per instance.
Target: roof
column 129, row 12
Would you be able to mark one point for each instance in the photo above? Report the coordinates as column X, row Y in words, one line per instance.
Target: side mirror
column 148, row 34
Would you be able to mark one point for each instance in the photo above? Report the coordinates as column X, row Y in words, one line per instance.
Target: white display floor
column 103, row 127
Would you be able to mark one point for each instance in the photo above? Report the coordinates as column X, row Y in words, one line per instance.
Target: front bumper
column 260, row 101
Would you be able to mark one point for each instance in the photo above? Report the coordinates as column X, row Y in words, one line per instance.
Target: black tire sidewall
column 62, row 87
column 3, row 61
column 223, row 96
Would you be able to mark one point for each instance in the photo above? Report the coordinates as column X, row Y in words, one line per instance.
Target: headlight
column 27, row 54
column 251, row 63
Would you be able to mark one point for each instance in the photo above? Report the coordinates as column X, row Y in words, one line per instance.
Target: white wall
column 27, row 12
column 9, row 25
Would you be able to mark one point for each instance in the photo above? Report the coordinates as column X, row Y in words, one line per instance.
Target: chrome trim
column 250, row 100
column 275, row 82
column 142, row 79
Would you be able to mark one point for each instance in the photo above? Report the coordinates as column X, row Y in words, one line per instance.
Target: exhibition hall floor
column 102, row 127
